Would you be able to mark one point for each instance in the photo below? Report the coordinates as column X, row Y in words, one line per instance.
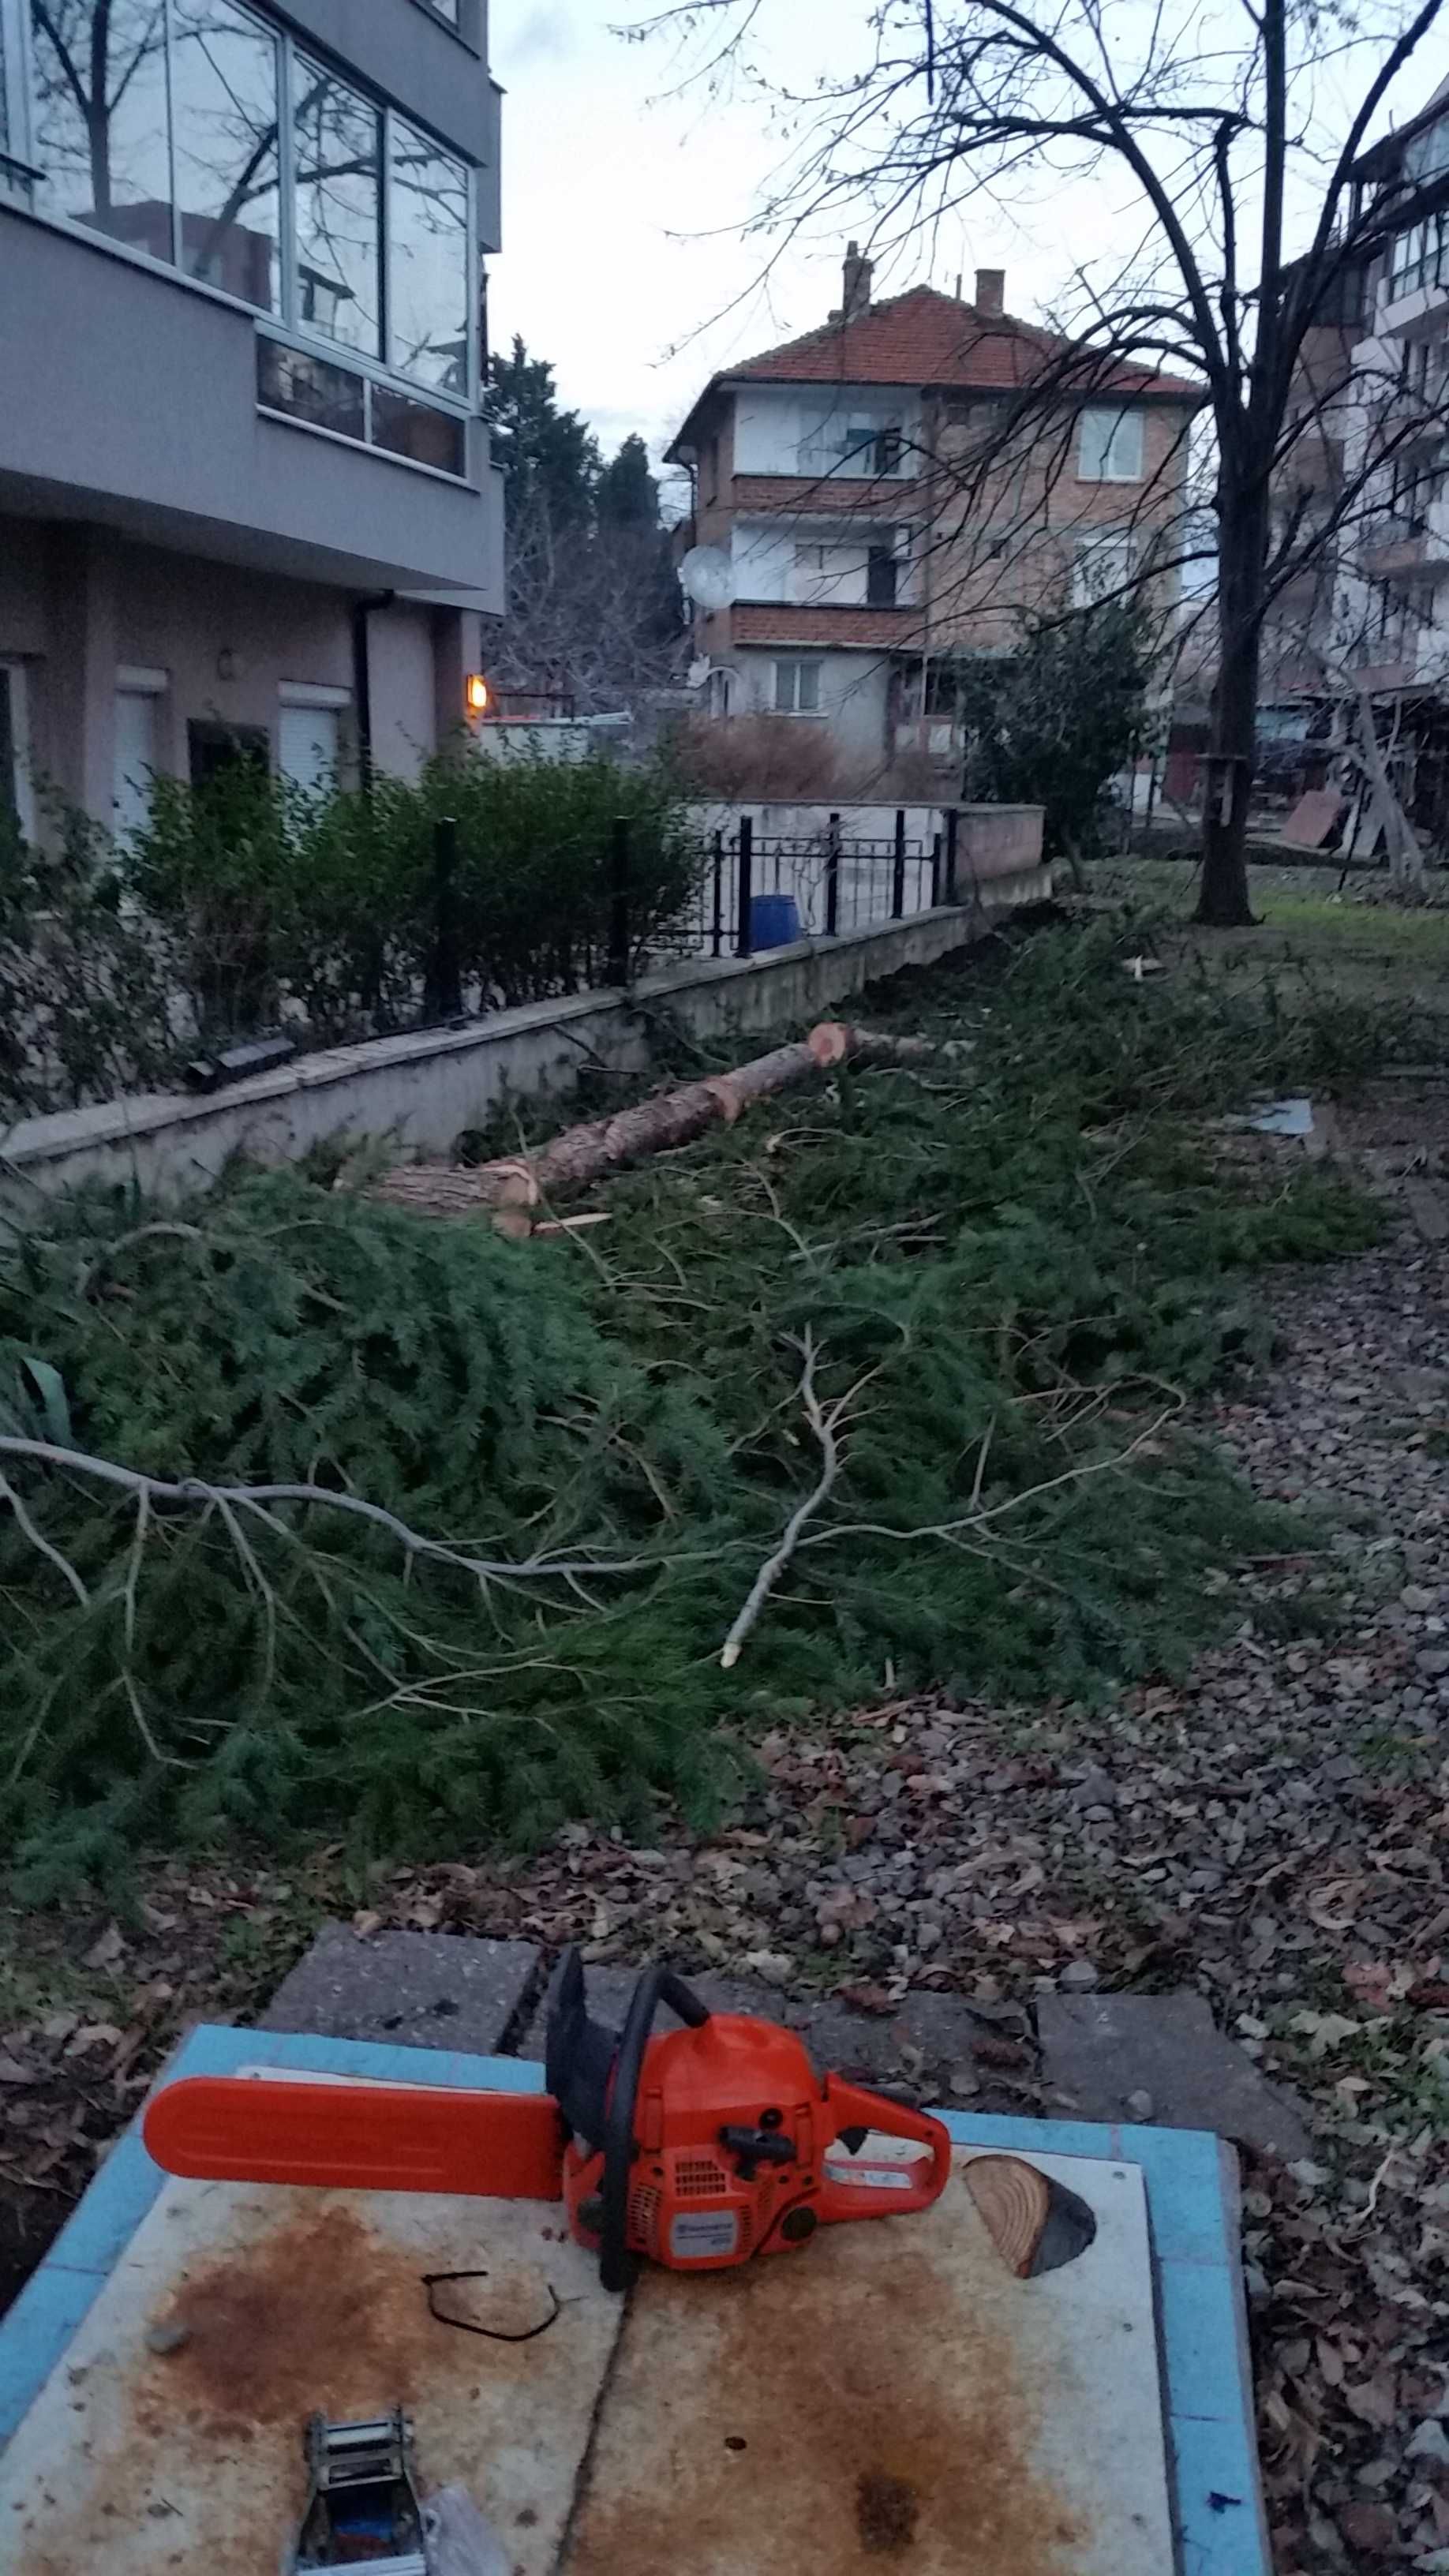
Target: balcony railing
column 1400, row 541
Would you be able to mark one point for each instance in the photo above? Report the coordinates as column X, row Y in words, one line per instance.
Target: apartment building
column 1390, row 617
column 1365, row 619
column 892, row 498
column 246, row 503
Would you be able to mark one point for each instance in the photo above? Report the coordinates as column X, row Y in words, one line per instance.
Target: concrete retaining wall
column 422, row 1089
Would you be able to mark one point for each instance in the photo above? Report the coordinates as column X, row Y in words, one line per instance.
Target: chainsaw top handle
column 617, row 2267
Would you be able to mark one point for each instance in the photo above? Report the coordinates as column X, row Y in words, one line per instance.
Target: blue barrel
column 774, row 920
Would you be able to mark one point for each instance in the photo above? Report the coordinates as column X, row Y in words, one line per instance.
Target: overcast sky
column 624, row 196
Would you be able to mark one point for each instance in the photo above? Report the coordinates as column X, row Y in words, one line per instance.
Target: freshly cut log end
column 830, row 1042
column 1035, row 2224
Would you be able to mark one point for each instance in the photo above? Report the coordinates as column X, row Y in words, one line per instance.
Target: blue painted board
column 1190, row 2211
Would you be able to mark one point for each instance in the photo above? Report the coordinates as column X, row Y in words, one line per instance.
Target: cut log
column 1015, row 2202
column 671, row 1118
column 1035, row 2224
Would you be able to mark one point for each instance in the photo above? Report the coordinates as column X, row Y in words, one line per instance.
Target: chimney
column 858, row 275
column 990, row 290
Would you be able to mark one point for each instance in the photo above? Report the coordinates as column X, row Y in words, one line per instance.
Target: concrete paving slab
column 1102, row 2049
column 868, row 2046
column 417, row 1989
column 919, row 2043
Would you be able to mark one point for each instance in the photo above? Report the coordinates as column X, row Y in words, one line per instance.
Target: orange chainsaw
column 698, row 2147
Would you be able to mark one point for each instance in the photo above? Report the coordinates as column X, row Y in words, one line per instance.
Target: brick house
column 896, row 489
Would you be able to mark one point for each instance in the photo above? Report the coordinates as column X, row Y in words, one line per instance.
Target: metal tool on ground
column 697, row 2147
column 363, row 2508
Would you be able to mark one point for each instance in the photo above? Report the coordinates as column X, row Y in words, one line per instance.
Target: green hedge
column 249, row 903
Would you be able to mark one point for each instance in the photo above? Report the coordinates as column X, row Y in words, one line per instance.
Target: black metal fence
column 761, row 890
column 754, row 891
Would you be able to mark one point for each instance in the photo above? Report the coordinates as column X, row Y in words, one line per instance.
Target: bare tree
column 1243, row 212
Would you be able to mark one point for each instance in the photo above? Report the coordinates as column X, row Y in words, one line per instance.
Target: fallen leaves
column 1273, row 1828
column 104, row 1952
column 1324, row 2031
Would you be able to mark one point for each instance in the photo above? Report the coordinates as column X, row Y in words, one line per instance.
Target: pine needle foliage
column 1018, row 1266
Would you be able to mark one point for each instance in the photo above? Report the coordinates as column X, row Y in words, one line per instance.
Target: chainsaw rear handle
column 855, row 2110
column 617, row 2267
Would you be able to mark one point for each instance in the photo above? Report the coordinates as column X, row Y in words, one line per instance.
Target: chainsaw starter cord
column 432, row 2281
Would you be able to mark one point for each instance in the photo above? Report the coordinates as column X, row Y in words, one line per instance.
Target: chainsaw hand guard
column 896, row 2186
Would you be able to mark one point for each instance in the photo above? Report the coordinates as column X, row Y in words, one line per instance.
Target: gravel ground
column 1272, row 1832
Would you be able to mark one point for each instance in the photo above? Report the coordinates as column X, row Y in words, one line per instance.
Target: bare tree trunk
column 1223, row 903
column 1248, row 436
column 98, row 113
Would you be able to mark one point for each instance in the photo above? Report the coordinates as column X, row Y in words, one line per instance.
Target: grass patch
column 1012, row 1271
column 1317, row 934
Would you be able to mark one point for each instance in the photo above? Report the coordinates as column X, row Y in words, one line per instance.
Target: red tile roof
column 846, row 628
column 928, row 339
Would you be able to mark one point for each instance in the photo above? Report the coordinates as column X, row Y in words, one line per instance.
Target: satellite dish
column 708, row 576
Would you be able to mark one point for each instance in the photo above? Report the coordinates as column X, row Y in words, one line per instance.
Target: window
column 1428, row 154
column 224, row 118
column 1111, row 446
column 338, row 209
column 880, row 577
column 14, row 160
column 308, row 388
column 1417, row 258
column 1102, row 565
column 1413, row 490
column 797, row 688
column 408, row 428
column 309, row 734
column 837, row 442
column 101, row 124
column 427, row 261
column 445, row 9
column 213, row 748
column 17, row 804
column 335, row 216
column 139, row 694
column 710, row 477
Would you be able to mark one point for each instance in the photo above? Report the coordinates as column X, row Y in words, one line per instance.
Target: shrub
column 759, row 759
column 249, row 902
column 328, row 901
column 84, row 984
column 1051, row 723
